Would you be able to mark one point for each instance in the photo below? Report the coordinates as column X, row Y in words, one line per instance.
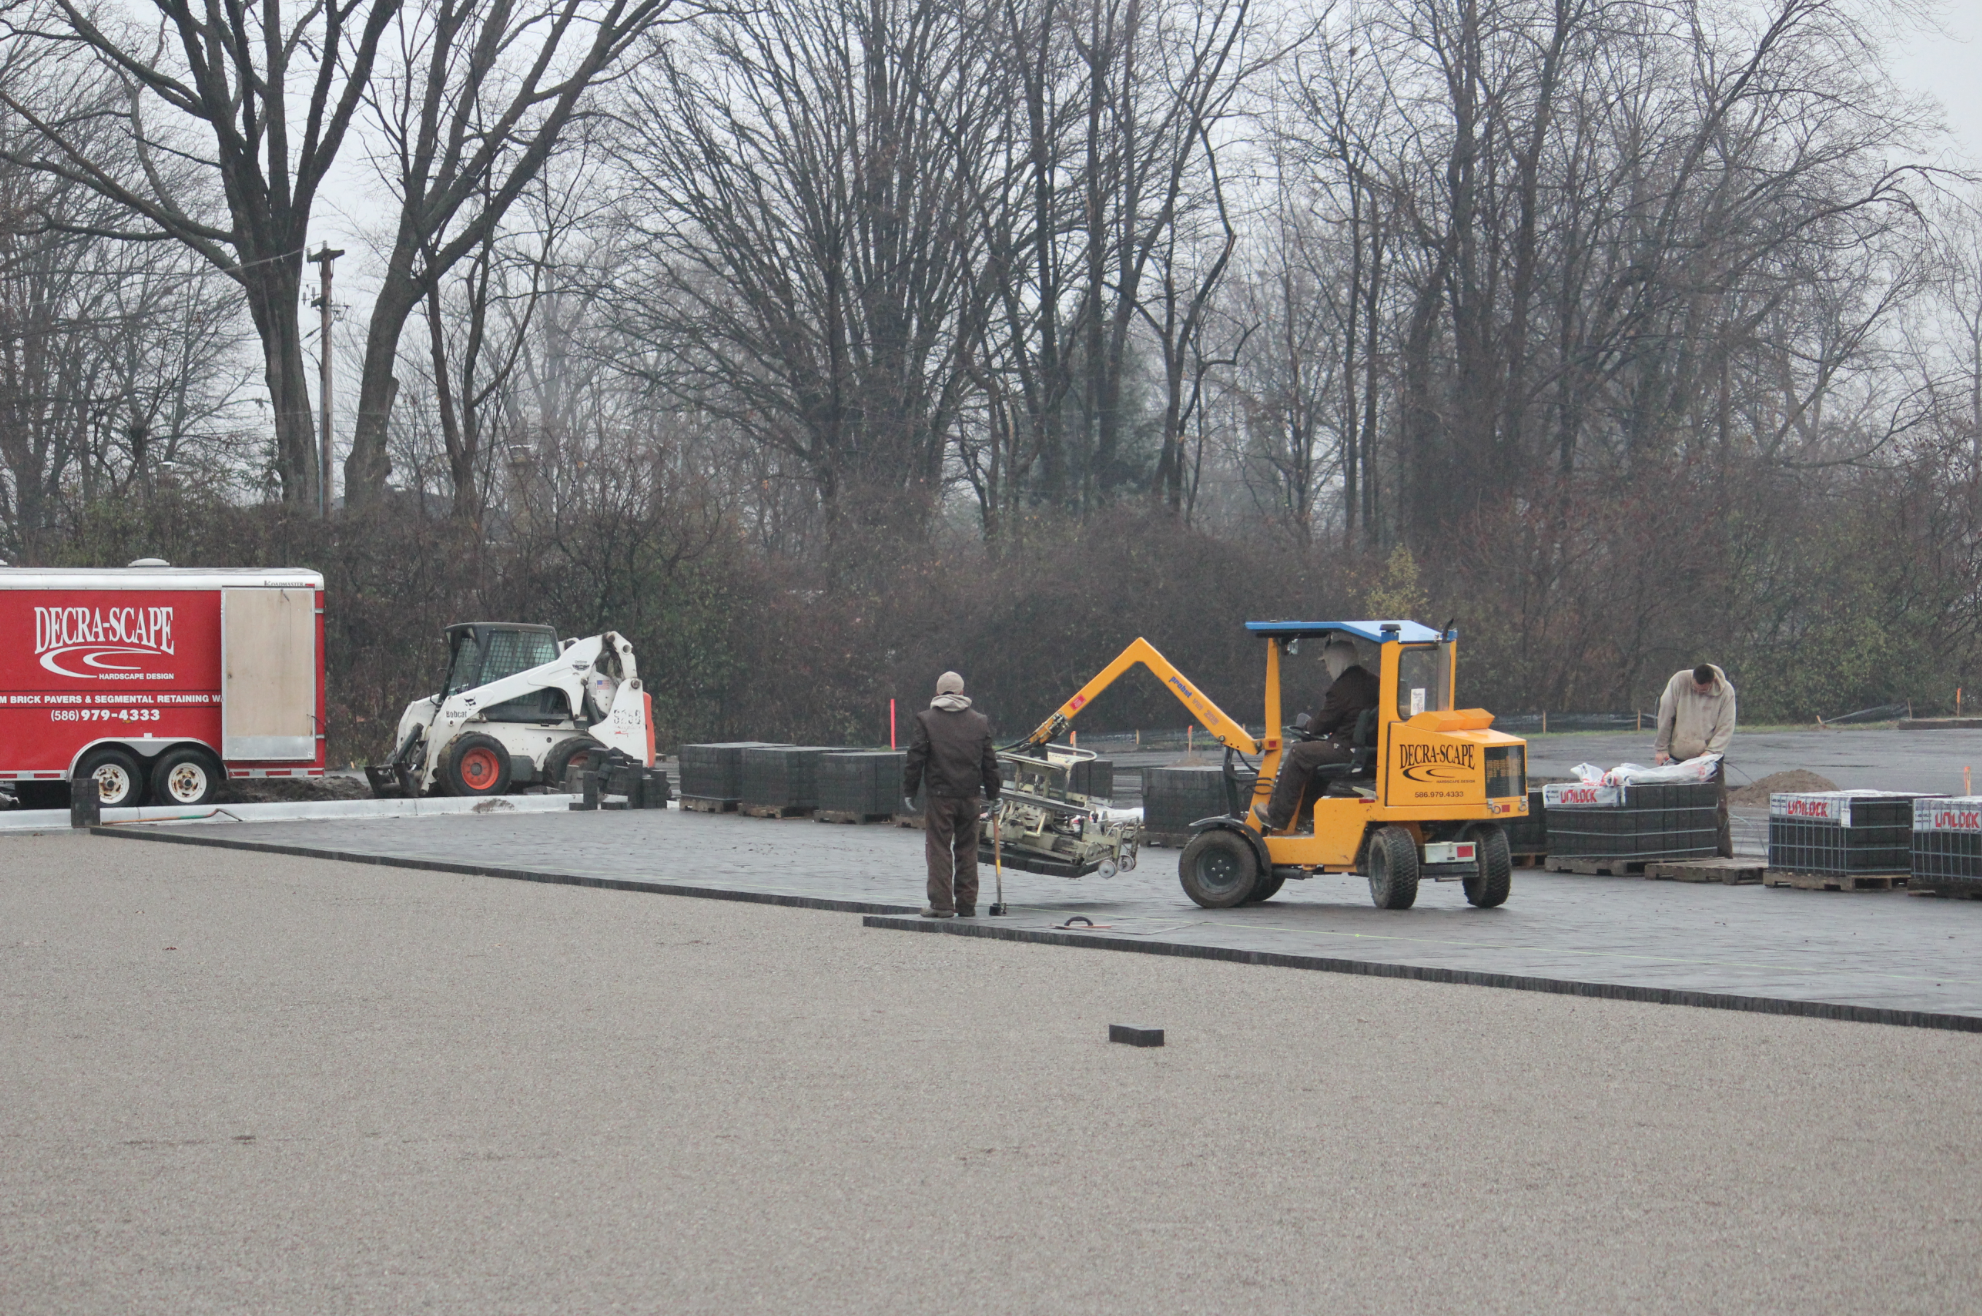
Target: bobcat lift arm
column 1213, row 718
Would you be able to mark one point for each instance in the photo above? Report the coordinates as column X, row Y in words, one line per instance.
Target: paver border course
column 902, row 918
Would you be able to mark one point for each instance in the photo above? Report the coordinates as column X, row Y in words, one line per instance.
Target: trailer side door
column 268, row 683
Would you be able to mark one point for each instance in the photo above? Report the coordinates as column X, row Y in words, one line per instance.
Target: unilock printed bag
column 1960, row 814
column 1582, row 795
column 1826, row 806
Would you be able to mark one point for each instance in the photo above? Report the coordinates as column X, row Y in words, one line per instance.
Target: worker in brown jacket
column 1696, row 716
column 951, row 759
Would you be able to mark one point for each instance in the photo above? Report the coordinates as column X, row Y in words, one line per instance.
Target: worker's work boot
column 930, row 911
column 966, row 911
column 1265, row 823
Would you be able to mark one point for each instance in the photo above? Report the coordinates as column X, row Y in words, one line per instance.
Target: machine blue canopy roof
column 1409, row 632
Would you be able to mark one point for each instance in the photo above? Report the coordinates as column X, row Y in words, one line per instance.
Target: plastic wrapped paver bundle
column 1841, row 832
column 712, row 775
column 860, row 785
column 1174, row 798
column 1659, row 821
column 1947, row 846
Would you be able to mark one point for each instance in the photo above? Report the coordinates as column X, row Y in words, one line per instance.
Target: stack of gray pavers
column 712, row 775
column 1666, row 820
column 781, row 781
column 860, row 785
column 1174, row 798
column 1094, row 778
column 1529, row 835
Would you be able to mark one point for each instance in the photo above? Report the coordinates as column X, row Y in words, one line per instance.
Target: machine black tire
column 571, row 750
column 1496, row 876
column 187, row 776
column 476, row 765
column 1218, row 869
column 120, row 782
column 1267, row 887
column 1393, row 868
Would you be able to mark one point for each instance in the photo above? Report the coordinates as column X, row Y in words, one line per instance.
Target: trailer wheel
column 1218, row 869
column 1496, row 875
column 119, row 783
column 1393, row 868
column 571, row 752
column 476, row 765
column 185, row 776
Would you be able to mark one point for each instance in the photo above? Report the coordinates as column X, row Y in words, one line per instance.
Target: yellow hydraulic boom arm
column 1222, row 728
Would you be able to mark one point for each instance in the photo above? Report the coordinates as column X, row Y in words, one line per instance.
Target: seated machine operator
column 1328, row 736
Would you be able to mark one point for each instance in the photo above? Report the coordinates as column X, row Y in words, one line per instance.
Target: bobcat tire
column 1496, row 875
column 1218, row 869
column 1393, row 869
column 475, row 766
column 572, row 751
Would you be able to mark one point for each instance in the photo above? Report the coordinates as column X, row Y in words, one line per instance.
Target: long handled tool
column 998, row 860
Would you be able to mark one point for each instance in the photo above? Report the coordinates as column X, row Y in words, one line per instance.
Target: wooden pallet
column 1535, row 860
column 703, row 804
column 1597, row 867
column 847, row 816
column 1728, row 872
column 775, row 810
column 1835, row 881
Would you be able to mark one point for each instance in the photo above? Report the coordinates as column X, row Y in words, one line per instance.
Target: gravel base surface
column 347, row 1088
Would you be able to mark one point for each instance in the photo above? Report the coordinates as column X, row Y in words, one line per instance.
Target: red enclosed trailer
column 157, row 681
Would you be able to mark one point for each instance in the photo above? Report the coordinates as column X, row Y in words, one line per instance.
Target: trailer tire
column 475, row 766
column 1218, row 869
column 187, row 776
column 1496, row 876
column 120, row 783
column 570, row 752
column 1393, row 868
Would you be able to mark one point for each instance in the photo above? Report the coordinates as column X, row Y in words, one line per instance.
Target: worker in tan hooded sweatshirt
column 1696, row 716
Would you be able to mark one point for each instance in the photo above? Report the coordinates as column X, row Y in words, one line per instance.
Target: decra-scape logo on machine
column 103, row 644
column 1437, row 762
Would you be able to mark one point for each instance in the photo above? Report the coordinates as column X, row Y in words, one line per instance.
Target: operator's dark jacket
column 1348, row 696
column 951, row 754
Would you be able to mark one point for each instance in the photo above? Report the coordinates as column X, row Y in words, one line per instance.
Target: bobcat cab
column 1422, row 795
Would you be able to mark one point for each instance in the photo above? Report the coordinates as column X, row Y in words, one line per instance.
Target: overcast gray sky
column 1948, row 65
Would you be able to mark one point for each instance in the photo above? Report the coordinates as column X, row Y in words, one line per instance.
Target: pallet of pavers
column 860, row 786
column 1858, row 840
column 712, row 775
column 1946, row 854
column 1623, row 831
column 782, row 781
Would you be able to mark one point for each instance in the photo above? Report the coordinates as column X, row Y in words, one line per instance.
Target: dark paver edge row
column 1864, row 1014
column 515, row 874
column 891, row 917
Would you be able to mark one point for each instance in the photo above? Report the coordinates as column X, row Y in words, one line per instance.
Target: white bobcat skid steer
column 518, row 707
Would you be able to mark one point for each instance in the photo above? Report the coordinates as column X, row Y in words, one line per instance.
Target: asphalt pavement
column 241, row 1082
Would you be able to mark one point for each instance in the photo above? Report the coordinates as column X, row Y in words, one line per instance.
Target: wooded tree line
column 814, row 344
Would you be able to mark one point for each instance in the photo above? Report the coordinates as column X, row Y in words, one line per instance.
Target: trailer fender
column 146, row 749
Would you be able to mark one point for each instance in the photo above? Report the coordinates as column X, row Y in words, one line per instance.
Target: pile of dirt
column 287, row 790
column 1796, row 781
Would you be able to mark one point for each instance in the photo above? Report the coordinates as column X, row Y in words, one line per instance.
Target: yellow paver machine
column 1421, row 797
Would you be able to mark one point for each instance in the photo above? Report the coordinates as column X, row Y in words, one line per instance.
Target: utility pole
column 323, row 257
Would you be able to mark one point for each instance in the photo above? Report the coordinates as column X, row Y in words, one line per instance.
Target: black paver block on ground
column 1133, row 1036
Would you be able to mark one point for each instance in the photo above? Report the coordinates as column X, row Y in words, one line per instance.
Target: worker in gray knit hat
column 951, row 759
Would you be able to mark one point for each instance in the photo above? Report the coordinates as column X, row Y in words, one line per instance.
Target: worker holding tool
column 1696, row 716
column 951, row 758
column 1328, row 733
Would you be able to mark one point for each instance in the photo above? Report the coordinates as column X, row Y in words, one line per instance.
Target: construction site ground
column 1885, row 955
column 248, row 1082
